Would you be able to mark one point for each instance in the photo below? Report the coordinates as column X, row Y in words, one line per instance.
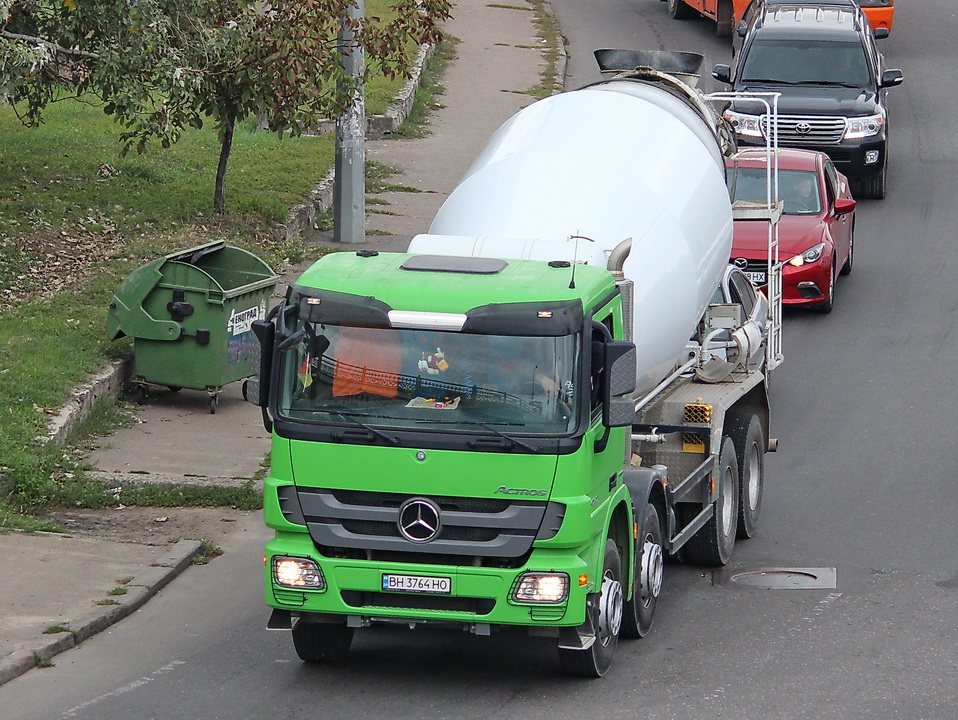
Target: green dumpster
column 189, row 314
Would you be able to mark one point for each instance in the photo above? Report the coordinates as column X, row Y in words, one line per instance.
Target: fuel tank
column 640, row 156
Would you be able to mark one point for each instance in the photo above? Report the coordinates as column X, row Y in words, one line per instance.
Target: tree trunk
column 219, row 195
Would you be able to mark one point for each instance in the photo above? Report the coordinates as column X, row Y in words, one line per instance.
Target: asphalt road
column 864, row 408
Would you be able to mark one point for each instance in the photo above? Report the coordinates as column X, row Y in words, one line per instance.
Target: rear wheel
column 321, row 642
column 678, row 10
column 648, row 572
column 745, row 429
column 713, row 544
column 724, row 24
column 606, row 609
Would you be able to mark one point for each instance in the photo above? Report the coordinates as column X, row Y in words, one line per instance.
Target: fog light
column 871, row 156
column 539, row 587
column 297, row 573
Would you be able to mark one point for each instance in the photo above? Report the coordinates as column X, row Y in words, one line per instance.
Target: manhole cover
column 779, row 578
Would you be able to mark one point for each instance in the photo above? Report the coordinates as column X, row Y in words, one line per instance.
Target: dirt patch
column 155, row 526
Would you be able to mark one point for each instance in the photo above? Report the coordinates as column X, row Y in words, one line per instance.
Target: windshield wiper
column 828, row 82
column 351, row 417
column 511, row 439
column 772, row 81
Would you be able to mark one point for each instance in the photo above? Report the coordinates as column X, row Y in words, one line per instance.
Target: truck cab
column 440, row 457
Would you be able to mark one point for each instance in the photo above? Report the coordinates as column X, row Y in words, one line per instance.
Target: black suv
column 824, row 62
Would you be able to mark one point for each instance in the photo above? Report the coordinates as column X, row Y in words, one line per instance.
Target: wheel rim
column 610, row 609
column 851, row 250
column 754, row 477
column 652, row 570
column 727, row 509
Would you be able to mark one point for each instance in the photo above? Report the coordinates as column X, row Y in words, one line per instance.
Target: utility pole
column 349, row 188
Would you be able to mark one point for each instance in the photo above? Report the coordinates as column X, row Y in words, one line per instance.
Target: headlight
column 809, row 256
column 540, row 587
column 863, row 127
column 297, row 573
column 747, row 125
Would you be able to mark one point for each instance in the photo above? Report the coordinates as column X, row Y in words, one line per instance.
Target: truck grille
column 342, row 522
column 474, row 606
column 809, row 130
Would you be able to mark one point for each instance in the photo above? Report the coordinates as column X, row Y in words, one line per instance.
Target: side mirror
column 881, row 33
column 891, row 78
column 722, row 73
column 742, row 29
column 844, row 206
column 256, row 389
column 618, row 410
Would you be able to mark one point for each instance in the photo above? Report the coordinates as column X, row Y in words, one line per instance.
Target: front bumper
column 856, row 159
column 479, row 595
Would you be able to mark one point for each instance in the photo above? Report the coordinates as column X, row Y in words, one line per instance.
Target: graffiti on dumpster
column 239, row 329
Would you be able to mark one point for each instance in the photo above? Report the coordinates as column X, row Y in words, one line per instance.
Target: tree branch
column 47, row 43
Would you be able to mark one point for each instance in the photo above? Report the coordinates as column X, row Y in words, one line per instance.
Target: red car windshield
column 799, row 190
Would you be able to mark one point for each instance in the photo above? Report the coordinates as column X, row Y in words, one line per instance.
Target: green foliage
column 162, row 66
column 208, row 551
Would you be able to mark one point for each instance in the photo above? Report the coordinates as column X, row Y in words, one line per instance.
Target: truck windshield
column 430, row 380
column 801, row 62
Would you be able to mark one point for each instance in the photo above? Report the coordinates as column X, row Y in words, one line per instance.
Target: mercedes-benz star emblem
column 803, row 128
column 419, row 520
column 740, row 263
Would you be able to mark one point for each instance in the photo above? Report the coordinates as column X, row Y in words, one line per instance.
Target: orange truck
column 728, row 14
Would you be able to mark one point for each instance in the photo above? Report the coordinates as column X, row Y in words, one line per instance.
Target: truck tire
column 713, row 544
column 724, row 19
column 678, row 10
column 321, row 642
column 595, row 661
column 745, row 429
column 648, row 572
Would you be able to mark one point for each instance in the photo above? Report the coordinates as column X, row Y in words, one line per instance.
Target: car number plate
column 417, row 584
column 757, row 277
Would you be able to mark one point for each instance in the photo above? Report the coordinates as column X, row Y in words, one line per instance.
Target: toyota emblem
column 803, row 128
column 740, row 263
column 419, row 520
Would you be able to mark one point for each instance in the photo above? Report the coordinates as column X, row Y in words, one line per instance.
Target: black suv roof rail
column 811, row 16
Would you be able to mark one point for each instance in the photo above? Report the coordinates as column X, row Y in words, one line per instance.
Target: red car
column 816, row 233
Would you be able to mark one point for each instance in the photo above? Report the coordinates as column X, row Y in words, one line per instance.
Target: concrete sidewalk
column 56, row 580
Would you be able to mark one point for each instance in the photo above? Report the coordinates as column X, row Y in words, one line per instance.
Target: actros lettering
column 503, row 490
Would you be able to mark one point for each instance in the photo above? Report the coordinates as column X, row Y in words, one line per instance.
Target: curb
column 106, row 383
column 140, row 589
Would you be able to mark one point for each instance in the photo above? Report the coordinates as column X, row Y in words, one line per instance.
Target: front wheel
column 321, row 642
column 648, row 573
column 828, row 304
column 850, row 261
column 606, row 610
column 713, row 544
column 874, row 187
